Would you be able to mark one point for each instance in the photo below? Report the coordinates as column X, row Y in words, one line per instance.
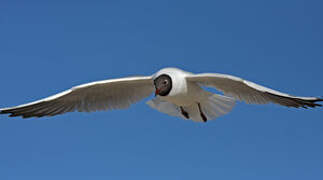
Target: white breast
column 183, row 93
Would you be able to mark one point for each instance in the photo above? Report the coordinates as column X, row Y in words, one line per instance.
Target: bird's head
column 163, row 85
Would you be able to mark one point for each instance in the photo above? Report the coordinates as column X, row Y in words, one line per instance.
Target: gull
column 177, row 93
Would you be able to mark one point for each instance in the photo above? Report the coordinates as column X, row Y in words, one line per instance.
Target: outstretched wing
column 250, row 92
column 100, row 95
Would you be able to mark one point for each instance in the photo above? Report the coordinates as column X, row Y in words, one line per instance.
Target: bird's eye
column 165, row 82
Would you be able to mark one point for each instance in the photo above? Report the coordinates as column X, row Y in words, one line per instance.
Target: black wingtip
column 3, row 112
column 11, row 114
column 313, row 103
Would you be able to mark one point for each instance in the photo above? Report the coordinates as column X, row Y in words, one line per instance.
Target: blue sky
column 47, row 47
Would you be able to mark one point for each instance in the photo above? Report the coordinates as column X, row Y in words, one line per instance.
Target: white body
column 183, row 93
column 188, row 95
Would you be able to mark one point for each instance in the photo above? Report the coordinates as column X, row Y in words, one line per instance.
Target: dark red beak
column 156, row 92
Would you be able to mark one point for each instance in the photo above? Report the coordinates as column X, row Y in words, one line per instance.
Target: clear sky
column 47, row 47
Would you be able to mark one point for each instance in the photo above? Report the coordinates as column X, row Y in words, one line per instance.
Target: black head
column 163, row 85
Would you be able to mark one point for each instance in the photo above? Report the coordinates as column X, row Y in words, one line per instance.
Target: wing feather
column 251, row 92
column 100, row 95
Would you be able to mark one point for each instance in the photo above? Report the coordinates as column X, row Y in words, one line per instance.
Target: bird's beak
column 156, row 92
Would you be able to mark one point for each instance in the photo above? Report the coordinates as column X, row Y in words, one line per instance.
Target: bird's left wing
column 250, row 92
column 99, row 95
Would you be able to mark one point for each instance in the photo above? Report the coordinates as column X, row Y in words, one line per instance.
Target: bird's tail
column 211, row 107
column 165, row 107
column 216, row 105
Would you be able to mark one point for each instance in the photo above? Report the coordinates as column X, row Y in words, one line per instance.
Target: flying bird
column 177, row 93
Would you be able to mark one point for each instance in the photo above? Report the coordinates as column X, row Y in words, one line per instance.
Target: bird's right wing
column 100, row 95
column 251, row 92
